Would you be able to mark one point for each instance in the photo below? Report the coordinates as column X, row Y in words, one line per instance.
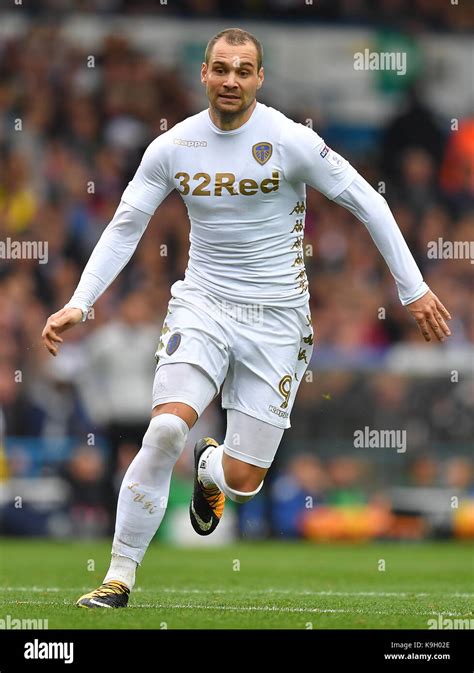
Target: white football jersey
column 245, row 194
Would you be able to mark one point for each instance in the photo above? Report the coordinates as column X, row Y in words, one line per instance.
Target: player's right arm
column 118, row 242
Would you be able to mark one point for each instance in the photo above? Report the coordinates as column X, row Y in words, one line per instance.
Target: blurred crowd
column 71, row 137
column 425, row 14
column 335, row 496
column 342, row 498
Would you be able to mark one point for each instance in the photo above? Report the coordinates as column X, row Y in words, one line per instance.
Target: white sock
column 210, row 470
column 211, row 473
column 144, row 493
column 122, row 569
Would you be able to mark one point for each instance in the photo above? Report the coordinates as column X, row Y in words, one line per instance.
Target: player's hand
column 430, row 314
column 57, row 323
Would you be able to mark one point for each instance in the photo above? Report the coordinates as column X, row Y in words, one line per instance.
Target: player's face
column 232, row 78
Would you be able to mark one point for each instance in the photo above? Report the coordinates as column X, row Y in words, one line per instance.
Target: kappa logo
column 262, row 152
column 278, row 412
column 190, row 143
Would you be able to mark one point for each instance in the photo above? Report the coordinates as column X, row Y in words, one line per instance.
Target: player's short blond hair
column 235, row 36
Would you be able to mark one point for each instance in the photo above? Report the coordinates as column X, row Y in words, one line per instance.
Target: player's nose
column 230, row 81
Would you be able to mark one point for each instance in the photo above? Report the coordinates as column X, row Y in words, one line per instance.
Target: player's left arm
column 306, row 158
column 371, row 208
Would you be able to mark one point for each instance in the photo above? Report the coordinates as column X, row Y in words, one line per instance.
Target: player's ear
column 204, row 73
column 261, row 78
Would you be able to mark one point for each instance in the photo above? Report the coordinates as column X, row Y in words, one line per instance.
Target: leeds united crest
column 262, row 152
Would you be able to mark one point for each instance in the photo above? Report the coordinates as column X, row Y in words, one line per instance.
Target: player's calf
column 238, row 480
column 240, row 476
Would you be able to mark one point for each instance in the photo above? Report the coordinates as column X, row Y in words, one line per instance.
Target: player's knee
column 167, row 433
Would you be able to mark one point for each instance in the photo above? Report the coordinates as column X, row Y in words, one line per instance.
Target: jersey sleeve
column 371, row 208
column 307, row 159
column 111, row 253
column 151, row 183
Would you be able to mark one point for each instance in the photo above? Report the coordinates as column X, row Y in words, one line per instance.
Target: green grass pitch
column 249, row 585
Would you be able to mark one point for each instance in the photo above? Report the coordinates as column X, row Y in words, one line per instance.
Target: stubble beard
column 228, row 116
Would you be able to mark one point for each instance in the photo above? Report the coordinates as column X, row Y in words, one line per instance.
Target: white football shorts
column 257, row 354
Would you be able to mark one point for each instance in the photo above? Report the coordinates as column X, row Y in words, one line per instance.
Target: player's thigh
column 183, row 389
column 252, row 442
column 192, row 336
column 267, row 365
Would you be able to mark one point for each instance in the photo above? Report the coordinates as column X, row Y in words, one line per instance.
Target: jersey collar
column 241, row 129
